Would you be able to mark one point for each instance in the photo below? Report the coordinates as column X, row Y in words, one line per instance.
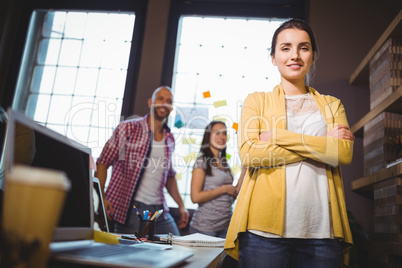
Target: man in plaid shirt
column 140, row 152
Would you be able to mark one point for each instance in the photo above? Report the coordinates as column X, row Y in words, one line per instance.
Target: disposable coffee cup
column 33, row 200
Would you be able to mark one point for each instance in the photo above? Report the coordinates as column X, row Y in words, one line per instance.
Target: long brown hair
column 206, row 152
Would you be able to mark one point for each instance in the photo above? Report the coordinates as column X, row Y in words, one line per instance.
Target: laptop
column 73, row 238
column 100, row 218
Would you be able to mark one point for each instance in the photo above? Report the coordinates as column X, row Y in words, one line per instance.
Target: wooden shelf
column 393, row 103
column 361, row 75
column 365, row 184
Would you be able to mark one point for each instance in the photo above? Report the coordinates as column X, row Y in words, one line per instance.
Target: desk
column 204, row 257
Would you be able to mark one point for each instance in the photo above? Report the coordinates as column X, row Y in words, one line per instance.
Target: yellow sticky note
column 191, row 156
column 235, row 169
column 221, row 119
column 207, row 94
column 188, row 140
column 178, row 176
column 235, row 126
column 220, row 103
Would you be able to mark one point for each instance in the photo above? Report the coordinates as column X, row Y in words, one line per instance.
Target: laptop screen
column 100, row 219
column 32, row 144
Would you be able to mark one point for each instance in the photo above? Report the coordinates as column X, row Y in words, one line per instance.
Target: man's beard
column 157, row 116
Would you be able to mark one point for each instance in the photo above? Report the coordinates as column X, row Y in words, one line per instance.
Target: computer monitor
column 30, row 143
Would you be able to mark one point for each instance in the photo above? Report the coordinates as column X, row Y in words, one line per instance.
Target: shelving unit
column 365, row 184
column 391, row 104
column 382, row 183
column 360, row 76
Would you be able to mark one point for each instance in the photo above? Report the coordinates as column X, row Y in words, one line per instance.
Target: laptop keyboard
column 104, row 250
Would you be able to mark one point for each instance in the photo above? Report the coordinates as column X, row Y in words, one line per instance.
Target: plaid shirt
column 127, row 151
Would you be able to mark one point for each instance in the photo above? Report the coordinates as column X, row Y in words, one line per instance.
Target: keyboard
column 104, row 250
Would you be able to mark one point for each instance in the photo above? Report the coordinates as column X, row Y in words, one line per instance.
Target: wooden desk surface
column 203, row 257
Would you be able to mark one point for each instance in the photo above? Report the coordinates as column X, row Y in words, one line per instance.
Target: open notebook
column 198, row 240
column 73, row 239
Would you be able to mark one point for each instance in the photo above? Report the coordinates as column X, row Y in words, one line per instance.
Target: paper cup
column 33, row 200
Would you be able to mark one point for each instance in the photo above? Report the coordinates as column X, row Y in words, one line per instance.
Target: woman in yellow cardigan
column 291, row 208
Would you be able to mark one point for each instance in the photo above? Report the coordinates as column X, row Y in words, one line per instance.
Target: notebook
column 198, row 240
column 73, row 238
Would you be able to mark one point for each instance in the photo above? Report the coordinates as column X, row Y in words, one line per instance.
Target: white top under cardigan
column 307, row 197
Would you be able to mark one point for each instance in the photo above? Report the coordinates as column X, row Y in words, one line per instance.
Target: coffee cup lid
column 39, row 177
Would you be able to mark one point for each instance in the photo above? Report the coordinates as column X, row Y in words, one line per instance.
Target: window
column 227, row 57
column 76, row 67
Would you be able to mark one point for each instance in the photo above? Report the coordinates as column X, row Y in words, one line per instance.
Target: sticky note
column 188, row 140
column 178, row 176
column 220, row 103
column 218, row 118
column 235, row 169
column 207, row 94
column 228, row 156
column 191, row 156
column 235, row 126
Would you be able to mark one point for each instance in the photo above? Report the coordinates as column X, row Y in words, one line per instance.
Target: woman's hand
column 265, row 136
column 229, row 189
column 341, row 132
column 183, row 218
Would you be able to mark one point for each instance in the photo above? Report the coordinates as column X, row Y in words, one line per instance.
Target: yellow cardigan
column 261, row 202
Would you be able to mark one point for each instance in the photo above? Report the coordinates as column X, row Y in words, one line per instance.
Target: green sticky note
column 220, row 103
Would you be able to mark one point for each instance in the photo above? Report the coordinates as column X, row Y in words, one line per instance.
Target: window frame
column 252, row 9
column 21, row 27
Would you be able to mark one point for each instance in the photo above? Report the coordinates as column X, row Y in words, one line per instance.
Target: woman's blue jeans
column 257, row 251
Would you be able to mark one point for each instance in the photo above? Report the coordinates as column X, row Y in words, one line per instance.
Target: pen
column 136, row 212
column 149, row 215
column 145, row 215
column 159, row 213
column 131, row 237
column 155, row 214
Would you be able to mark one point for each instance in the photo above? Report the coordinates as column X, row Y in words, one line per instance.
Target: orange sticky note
column 206, row 94
column 235, row 126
